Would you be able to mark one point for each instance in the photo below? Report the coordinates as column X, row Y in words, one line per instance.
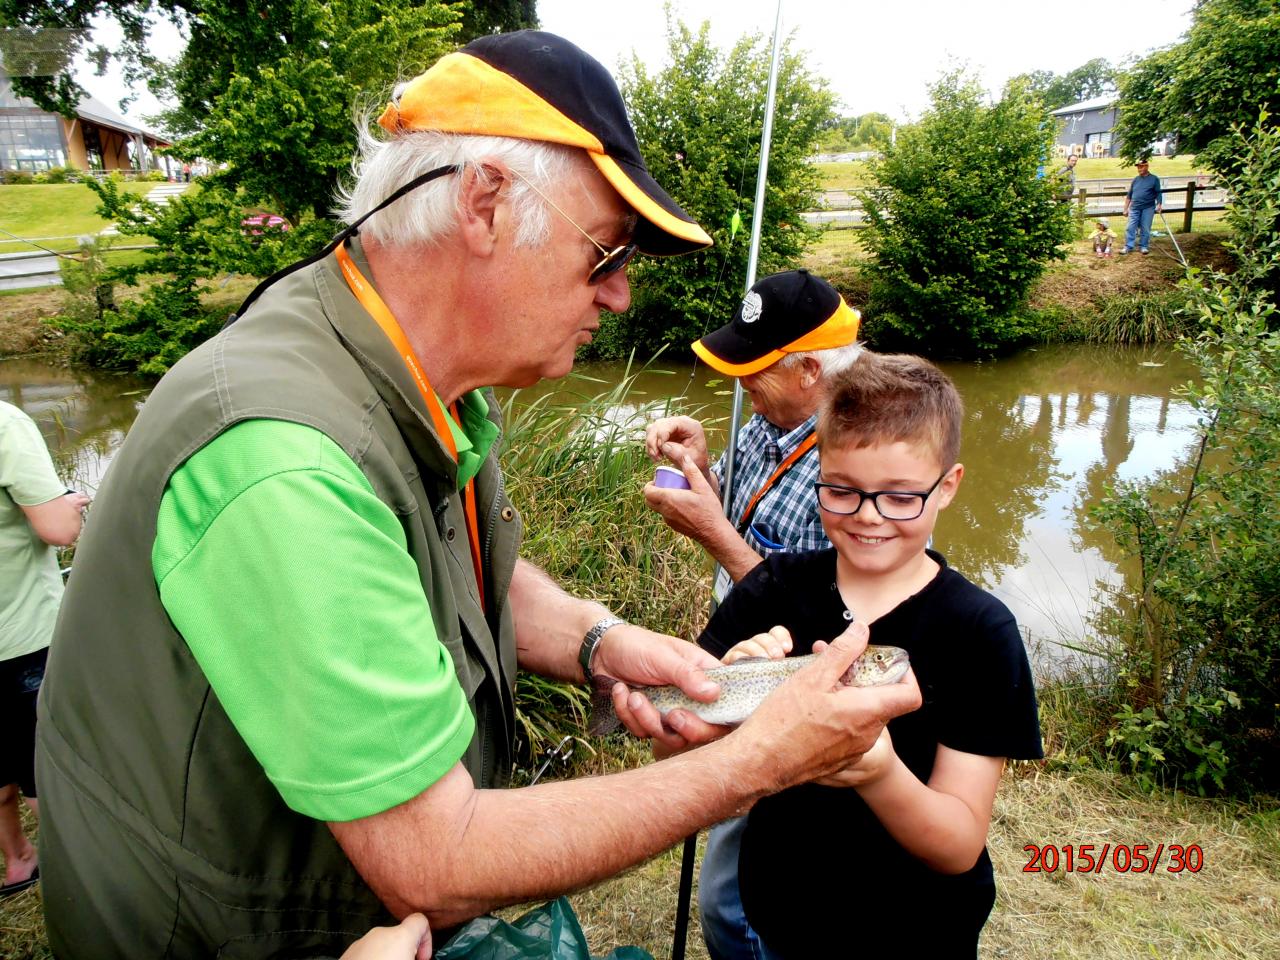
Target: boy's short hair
column 892, row 397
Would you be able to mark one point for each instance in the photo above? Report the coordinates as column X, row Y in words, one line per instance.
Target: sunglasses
column 611, row 261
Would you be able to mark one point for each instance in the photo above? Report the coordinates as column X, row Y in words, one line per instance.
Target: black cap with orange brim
column 538, row 86
column 789, row 312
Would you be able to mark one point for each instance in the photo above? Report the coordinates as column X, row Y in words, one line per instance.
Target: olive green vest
column 160, row 834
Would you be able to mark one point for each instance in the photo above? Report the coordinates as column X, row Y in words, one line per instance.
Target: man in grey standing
column 1141, row 203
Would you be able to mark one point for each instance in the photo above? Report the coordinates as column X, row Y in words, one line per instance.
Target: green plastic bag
column 548, row 932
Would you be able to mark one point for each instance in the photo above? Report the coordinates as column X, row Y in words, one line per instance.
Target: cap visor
column 736, row 369
column 665, row 229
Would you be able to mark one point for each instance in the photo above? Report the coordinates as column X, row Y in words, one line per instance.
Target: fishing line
column 64, row 256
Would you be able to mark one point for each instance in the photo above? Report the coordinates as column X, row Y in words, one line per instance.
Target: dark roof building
column 98, row 138
column 1086, row 128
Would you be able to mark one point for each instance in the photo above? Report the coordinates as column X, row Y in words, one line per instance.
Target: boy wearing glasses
column 906, row 827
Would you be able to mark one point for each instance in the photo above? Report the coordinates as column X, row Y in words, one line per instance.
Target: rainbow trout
column 744, row 685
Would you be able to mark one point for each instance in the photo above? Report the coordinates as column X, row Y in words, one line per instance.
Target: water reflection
column 1046, row 431
column 83, row 416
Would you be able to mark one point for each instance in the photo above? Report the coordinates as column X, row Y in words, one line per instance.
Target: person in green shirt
column 37, row 514
column 296, row 715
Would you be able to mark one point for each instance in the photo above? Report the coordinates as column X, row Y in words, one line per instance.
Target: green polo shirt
column 30, row 585
column 293, row 587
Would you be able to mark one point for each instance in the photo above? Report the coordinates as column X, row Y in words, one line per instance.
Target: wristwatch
column 592, row 640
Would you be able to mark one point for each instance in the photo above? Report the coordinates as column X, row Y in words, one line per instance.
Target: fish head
column 878, row 665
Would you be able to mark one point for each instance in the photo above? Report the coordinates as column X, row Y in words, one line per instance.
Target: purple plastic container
column 671, row 478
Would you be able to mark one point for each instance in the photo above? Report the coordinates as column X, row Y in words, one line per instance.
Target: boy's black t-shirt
column 818, row 873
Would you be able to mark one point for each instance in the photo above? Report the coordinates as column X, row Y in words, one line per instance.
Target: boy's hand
column 773, row 645
column 873, row 765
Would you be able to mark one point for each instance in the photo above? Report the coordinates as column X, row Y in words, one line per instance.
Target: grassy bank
column 59, row 212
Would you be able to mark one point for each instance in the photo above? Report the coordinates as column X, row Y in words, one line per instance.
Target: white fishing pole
column 689, row 852
column 1167, row 230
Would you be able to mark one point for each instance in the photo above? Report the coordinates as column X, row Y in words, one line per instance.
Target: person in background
column 1067, row 176
column 1142, row 202
column 1103, row 239
column 297, row 715
column 789, row 336
column 912, row 816
column 37, row 514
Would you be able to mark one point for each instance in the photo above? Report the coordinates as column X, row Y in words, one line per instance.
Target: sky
column 875, row 56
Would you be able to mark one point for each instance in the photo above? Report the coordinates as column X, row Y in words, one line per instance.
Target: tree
column 962, row 223
column 1086, row 81
column 1198, row 662
column 699, row 121
column 1221, row 75
column 263, row 26
column 870, row 131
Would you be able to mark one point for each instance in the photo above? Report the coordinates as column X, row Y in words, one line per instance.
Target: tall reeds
column 575, row 468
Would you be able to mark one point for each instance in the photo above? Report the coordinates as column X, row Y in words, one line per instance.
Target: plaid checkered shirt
column 788, row 514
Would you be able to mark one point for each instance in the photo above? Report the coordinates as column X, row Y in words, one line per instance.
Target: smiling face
column 548, row 307
column 868, row 544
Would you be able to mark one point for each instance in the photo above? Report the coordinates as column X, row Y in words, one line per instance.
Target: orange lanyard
column 377, row 308
column 805, row 446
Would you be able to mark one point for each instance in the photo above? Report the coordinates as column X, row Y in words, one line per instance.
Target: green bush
column 699, row 121
column 198, row 237
column 1198, row 658
column 1139, row 318
column 962, row 223
column 16, row 177
column 58, row 175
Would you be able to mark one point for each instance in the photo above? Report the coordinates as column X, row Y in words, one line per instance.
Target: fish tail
column 603, row 719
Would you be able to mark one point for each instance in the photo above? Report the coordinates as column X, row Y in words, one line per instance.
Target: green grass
column 844, row 176
column 1109, row 168
column 53, row 210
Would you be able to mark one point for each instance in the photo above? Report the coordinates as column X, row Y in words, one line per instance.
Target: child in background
column 903, row 832
column 1103, row 238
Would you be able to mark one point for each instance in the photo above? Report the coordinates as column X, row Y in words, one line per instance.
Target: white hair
column 425, row 214
column 832, row 361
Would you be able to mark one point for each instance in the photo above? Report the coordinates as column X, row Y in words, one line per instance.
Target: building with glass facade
column 98, row 139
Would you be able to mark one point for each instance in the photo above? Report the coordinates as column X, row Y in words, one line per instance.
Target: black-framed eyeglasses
column 890, row 504
column 611, row 261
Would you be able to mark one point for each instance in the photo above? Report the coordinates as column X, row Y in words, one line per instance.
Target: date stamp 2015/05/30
column 1117, row 857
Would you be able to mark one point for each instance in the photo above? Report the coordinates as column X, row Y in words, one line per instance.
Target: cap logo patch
column 751, row 307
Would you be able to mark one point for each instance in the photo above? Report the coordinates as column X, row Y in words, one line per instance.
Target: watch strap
column 592, row 640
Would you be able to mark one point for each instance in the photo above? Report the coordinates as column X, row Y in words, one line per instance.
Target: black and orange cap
column 789, row 312
column 538, row 86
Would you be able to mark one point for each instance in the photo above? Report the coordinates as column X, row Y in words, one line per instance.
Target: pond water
column 1046, row 431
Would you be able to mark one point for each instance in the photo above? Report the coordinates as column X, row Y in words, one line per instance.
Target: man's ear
column 482, row 207
column 811, row 371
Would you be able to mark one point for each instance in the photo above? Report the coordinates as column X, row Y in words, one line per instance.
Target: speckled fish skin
column 744, row 686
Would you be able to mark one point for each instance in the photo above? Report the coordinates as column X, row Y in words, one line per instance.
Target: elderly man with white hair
column 790, row 334
column 281, row 700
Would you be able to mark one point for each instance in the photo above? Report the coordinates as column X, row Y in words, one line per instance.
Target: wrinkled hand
column 634, row 655
column 410, row 939
column 696, row 512
column 773, row 645
column 813, row 726
column 677, row 438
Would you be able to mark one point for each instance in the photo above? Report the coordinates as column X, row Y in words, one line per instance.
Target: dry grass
column 1228, row 910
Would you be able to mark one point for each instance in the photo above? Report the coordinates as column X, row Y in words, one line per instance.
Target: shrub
column 1198, row 657
column 16, row 177
column 1139, row 318
column 58, row 175
column 963, row 222
column 699, row 121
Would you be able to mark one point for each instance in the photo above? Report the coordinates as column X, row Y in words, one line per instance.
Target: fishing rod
column 689, row 853
column 1174, row 239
